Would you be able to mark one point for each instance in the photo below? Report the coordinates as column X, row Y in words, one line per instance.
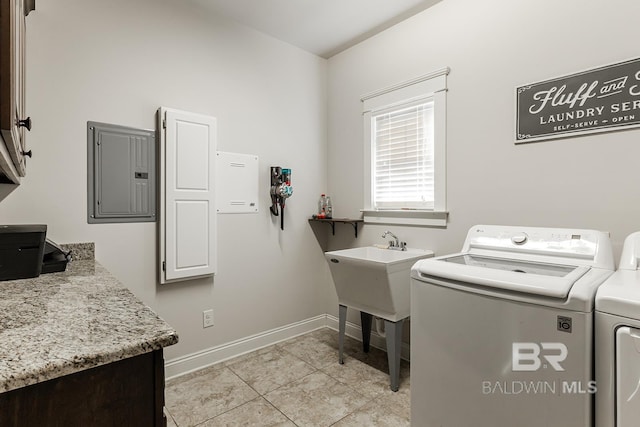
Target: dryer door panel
column 627, row 377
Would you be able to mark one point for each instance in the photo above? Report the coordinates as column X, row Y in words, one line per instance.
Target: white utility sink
column 375, row 280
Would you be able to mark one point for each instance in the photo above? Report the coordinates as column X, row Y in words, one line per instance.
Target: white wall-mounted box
column 237, row 178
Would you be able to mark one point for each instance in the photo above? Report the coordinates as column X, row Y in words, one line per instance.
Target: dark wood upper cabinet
column 14, row 120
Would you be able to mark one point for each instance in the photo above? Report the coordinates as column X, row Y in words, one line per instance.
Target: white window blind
column 403, row 157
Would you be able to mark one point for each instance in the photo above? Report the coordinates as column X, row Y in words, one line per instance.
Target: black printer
column 21, row 251
column 26, row 252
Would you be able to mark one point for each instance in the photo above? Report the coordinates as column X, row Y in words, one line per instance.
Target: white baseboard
column 201, row 359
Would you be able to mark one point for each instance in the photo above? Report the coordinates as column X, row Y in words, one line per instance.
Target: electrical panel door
column 188, row 202
column 121, row 174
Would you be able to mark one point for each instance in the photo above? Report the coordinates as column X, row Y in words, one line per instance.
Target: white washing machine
column 502, row 333
column 618, row 342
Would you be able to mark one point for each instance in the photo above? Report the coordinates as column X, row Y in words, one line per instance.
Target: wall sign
column 598, row 100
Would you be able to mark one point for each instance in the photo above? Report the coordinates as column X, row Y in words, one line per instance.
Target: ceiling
column 322, row 27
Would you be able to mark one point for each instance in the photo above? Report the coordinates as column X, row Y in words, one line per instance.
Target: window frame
column 432, row 86
column 396, row 205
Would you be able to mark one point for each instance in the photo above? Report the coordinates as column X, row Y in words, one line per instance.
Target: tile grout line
column 235, row 407
column 260, row 395
column 322, row 370
column 283, row 385
column 167, row 412
column 278, row 409
column 355, row 391
column 280, row 385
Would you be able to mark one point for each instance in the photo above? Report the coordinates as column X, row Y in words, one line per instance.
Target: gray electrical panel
column 121, row 166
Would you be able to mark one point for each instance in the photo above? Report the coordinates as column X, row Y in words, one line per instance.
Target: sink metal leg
column 342, row 323
column 366, row 319
column 394, row 345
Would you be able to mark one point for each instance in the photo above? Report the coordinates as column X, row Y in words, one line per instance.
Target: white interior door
column 188, row 212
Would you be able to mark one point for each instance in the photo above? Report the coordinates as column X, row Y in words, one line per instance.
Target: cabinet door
column 19, row 145
column 12, row 87
column 128, row 392
column 187, row 195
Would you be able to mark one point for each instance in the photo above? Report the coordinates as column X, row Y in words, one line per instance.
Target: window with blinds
column 403, row 157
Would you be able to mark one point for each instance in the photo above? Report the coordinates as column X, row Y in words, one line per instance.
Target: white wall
column 491, row 47
column 117, row 61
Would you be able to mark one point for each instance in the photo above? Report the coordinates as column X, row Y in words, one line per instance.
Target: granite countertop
column 61, row 323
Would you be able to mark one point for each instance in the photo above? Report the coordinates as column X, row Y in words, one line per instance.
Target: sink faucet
column 395, row 244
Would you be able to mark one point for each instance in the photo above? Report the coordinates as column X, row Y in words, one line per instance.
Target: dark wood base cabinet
column 129, row 392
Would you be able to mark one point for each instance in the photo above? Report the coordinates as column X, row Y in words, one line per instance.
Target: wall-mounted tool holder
column 281, row 190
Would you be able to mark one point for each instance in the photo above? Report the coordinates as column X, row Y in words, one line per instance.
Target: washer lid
column 553, row 280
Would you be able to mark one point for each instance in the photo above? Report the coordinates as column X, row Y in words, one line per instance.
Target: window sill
column 407, row 217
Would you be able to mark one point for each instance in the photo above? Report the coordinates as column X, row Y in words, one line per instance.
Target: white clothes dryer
column 618, row 342
column 502, row 333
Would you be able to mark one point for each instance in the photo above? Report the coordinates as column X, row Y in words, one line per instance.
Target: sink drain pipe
column 380, row 327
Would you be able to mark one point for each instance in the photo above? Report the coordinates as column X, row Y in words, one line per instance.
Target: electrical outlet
column 207, row 318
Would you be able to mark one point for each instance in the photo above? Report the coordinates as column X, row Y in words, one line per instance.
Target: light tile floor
column 298, row 382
